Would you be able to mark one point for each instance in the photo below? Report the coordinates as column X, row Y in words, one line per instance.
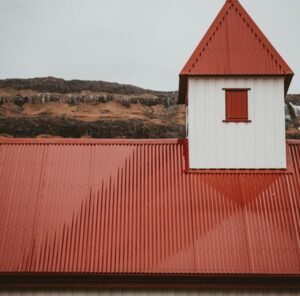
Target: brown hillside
column 51, row 107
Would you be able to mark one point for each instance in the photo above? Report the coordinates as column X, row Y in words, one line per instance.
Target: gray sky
column 140, row 42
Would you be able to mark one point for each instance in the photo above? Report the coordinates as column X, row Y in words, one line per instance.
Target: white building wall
column 88, row 292
column 214, row 144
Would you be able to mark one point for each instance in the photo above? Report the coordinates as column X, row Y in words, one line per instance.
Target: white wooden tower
column 234, row 86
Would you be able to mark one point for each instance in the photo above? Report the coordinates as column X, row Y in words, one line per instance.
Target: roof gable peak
column 237, row 17
column 234, row 45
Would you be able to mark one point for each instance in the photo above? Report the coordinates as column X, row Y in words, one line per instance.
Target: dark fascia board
column 210, row 281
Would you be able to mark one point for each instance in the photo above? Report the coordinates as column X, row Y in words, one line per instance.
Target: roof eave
column 182, row 92
column 287, row 82
column 183, row 82
column 151, row 281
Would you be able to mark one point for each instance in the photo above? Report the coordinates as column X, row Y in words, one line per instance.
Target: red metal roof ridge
column 293, row 141
column 88, row 141
column 254, row 29
column 74, row 141
column 4, row 140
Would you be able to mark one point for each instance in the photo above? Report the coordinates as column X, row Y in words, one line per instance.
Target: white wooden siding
column 86, row 292
column 214, row 144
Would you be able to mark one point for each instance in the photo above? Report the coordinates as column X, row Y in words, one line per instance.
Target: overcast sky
column 140, row 42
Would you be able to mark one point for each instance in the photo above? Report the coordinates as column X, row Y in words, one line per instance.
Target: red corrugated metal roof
column 109, row 206
column 234, row 45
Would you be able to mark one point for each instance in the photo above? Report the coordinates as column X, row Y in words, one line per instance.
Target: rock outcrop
column 292, row 116
column 46, row 107
column 51, row 107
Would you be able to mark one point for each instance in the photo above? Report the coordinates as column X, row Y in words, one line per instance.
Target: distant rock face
column 51, row 107
column 72, row 128
column 57, row 85
column 96, row 109
column 295, row 110
column 43, row 98
column 293, row 116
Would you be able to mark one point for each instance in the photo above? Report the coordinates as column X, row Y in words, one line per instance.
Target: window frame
column 237, row 120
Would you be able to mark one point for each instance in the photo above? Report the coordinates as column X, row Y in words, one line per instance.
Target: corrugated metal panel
column 217, row 144
column 130, row 207
column 234, row 45
column 135, row 292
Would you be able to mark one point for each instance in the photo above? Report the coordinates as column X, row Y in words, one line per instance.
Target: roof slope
column 129, row 207
column 234, row 45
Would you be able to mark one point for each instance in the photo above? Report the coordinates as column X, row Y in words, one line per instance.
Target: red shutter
column 236, row 105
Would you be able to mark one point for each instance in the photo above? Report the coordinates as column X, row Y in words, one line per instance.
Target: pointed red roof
column 234, row 45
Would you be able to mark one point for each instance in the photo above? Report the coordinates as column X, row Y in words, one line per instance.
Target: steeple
column 234, row 85
column 234, row 45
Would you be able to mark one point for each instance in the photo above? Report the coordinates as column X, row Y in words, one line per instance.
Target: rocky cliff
column 47, row 107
